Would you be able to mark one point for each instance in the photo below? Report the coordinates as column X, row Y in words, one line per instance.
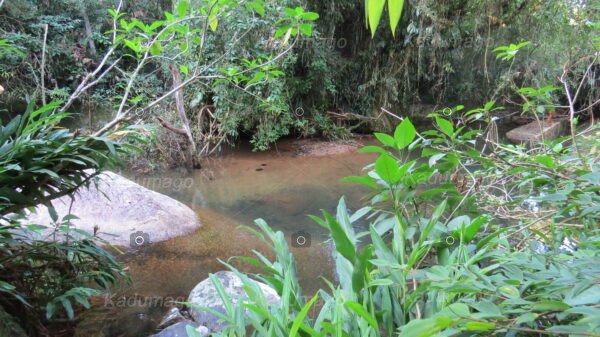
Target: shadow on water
column 230, row 191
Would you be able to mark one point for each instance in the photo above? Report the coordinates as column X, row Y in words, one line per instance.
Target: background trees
column 332, row 80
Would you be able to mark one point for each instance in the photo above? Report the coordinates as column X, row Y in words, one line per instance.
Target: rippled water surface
column 278, row 186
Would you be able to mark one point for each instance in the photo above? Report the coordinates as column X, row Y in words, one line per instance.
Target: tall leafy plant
column 50, row 272
column 433, row 260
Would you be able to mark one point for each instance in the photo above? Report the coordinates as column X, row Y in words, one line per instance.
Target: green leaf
column 421, row 328
column 363, row 180
column 395, row 8
column 545, row 160
column 374, row 10
column 362, row 312
column 479, row 326
column 182, row 8
column 405, row 134
column 68, row 308
column 306, row 29
column 183, row 69
column 526, row 318
column 445, row 126
column 588, row 296
column 213, row 23
column 50, row 310
column 156, row 49
column 301, row 316
column 544, row 306
column 259, row 76
column 386, row 139
column 53, row 214
column 487, row 309
column 387, row 169
column 309, row 16
column 342, row 243
column 382, row 282
column 361, row 268
column 257, row 7
column 281, row 31
column 372, row 148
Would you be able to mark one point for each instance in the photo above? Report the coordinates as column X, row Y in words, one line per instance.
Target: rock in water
column 205, row 294
column 124, row 212
column 535, row 131
column 172, row 317
column 180, row 330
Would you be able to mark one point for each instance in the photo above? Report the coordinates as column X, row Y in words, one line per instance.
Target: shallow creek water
column 232, row 190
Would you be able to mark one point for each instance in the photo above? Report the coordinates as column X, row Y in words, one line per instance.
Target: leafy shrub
column 48, row 271
column 434, row 261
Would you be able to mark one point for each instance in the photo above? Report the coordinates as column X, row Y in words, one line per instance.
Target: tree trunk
column 192, row 157
column 88, row 29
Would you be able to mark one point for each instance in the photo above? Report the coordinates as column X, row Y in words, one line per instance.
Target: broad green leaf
column 420, row 328
column 374, row 11
column 387, row 169
column 281, row 31
column 182, row 8
column 526, row 318
column 487, row 309
column 309, row 16
column 306, row 29
column 405, row 134
column 445, row 126
column 545, row 160
column 395, row 8
column 386, row 139
column 588, row 296
column 371, row 148
column 549, row 306
column 183, row 69
column 259, row 76
column 156, row 49
column 363, row 180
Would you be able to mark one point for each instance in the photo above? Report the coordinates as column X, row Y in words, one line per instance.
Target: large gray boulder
column 122, row 210
column 205, row 294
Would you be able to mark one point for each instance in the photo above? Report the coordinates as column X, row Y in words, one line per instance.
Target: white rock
column 123, row 210
column 205, row 294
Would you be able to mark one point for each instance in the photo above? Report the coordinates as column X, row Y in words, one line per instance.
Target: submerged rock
column 180, row 330
column 535, row 132
column 172, row 317
column 205, row 294
column 320, row 148
column 123, row 212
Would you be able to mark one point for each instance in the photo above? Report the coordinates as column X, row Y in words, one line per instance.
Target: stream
column 280, row 186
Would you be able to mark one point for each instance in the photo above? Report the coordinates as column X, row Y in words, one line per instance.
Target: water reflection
column 230, row 191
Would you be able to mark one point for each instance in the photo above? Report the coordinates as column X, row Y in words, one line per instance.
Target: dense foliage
column 440, row 260
column 334, row 79
column 47, row 272
column 474, row 237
